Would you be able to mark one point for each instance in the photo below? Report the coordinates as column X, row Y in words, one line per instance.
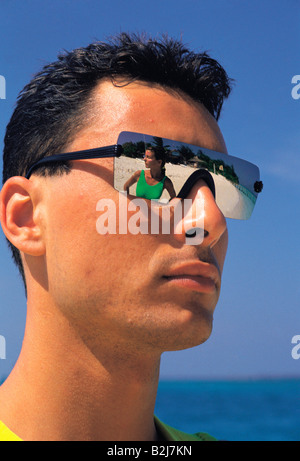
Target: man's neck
column 59, row 390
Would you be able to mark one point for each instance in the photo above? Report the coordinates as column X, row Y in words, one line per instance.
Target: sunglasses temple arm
column 102, row 152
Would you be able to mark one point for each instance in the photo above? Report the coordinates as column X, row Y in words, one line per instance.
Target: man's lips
column 197, row 276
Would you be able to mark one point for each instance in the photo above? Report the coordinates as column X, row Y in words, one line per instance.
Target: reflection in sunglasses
column 235, row 181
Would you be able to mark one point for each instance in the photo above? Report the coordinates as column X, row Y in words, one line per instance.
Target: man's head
column 58, row 100
column 143, row 283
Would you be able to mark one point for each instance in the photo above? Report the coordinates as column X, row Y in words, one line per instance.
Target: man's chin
column 190, row 335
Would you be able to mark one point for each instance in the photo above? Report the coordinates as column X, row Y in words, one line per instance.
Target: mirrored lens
column 157, row 168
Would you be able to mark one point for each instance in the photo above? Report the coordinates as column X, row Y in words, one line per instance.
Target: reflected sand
column 226, row 192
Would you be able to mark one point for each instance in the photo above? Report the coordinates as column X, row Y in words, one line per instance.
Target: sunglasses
column 175, row 169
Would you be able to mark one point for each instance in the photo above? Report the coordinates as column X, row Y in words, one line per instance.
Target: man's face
column 143, row 292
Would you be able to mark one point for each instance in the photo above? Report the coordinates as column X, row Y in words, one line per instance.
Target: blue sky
column 258, row 44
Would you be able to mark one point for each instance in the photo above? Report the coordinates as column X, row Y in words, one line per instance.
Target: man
column 103, row 308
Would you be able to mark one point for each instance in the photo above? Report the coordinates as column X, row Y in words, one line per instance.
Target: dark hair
column 159, row 154
column 51, row 106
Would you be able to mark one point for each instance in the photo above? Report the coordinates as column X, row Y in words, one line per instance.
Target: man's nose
column 202, row 222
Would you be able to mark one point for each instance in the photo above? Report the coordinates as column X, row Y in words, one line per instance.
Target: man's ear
column 19, row 200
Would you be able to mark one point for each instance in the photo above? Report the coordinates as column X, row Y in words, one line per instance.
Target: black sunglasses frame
column 116, row 150
column 99, row 152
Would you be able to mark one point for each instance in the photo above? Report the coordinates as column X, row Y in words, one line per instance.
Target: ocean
column 262, row 410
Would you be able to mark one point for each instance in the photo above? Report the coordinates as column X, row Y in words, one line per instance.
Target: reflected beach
column 234, row 178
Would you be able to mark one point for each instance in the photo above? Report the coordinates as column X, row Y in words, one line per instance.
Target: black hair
column 159, row 154
column 52, row 106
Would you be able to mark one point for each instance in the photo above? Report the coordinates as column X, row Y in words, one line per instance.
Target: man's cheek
column 220, row 250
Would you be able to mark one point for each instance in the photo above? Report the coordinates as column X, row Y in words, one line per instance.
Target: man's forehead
column 142, row 107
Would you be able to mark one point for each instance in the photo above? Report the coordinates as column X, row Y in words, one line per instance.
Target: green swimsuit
column 144, row 190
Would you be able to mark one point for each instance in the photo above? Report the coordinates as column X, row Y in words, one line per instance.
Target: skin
column 101, row 308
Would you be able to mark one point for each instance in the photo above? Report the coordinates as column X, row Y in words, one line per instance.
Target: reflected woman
column 152, row 181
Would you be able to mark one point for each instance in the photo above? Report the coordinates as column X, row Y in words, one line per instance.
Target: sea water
column 262, row 410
